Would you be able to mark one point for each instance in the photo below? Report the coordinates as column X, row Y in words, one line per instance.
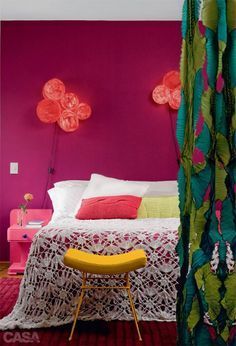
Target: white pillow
column 53, row 196
column 65, row 199
column 99, row 185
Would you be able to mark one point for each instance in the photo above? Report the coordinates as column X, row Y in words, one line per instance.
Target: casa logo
column 24, row 337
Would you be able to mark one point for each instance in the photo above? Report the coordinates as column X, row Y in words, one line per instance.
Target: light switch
column 13, row 167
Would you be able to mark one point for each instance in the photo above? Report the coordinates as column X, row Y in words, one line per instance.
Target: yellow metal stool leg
column 132, row 306
column 78, row 307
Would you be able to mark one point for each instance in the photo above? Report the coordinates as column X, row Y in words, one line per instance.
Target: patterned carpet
column 97, row 333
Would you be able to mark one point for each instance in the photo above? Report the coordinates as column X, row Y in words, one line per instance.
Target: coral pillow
column 109, row 207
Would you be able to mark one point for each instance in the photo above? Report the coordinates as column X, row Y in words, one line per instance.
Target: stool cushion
column 100, row 264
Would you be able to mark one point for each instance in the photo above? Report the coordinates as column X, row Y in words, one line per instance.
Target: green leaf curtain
column 206, row 134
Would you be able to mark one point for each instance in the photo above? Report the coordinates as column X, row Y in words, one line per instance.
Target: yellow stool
column 105, row 265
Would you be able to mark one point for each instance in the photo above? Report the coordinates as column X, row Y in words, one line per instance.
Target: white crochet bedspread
column 49, row 290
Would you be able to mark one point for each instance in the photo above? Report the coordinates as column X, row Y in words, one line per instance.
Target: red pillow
column 109, row 207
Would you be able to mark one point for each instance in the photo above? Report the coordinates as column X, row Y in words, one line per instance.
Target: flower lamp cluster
column 169, row 91
column 61, row 106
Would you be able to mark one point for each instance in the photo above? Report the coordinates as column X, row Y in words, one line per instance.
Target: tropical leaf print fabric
column 206, row 133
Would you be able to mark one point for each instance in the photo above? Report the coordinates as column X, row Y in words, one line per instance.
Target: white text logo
column 24, row 337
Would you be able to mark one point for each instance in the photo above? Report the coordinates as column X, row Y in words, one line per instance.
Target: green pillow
column 159, row 207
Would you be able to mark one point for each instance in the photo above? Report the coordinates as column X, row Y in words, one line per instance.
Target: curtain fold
column 206, row 134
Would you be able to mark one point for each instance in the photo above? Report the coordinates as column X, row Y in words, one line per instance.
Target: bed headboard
column 162, row 188
column 156, row 188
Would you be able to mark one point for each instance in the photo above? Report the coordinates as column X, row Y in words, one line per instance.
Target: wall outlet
column 13, row 167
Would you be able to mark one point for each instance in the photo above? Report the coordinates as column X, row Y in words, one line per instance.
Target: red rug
column 97, row 333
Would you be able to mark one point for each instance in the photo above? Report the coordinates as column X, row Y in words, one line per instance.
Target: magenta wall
column 111, row 65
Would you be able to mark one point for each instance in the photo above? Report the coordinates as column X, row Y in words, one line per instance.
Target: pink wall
column 113, row 66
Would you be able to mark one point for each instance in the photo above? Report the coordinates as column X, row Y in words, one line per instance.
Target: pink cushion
column 109, row 207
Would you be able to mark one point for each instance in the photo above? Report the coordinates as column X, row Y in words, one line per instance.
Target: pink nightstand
column 20, row 238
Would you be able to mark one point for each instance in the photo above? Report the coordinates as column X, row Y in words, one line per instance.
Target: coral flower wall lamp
column 169, row 90
column 62, row 107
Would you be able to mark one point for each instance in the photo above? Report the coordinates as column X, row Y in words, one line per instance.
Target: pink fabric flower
column 207, row 194
column 198, row 156
column 212, row 332
column 232, row 333
column 199, row 126
column 220, row 83
column 219, row 205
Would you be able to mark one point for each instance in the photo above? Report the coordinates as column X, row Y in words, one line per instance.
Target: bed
column 48, row 290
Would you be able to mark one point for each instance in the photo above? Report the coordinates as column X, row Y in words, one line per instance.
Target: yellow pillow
column 159, row 207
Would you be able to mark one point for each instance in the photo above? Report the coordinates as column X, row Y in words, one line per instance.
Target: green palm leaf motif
column 231, row 14
column 206, row 306
column 206, row 107
column 212, row 57
column 220, row 177
column 210, row 14
column 203, row 141
column 199, row 185
column 198, row 87
column 222, row 149
column 199, row 49
column 229, row 302
column 180, row 126
column 232, row 65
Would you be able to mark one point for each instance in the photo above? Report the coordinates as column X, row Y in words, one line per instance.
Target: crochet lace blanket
column 49, row 290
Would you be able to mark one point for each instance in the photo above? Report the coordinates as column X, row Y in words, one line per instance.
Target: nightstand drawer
column 21, row 234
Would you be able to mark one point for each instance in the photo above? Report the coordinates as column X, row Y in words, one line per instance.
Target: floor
column 87, row 333
column 3, row 271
